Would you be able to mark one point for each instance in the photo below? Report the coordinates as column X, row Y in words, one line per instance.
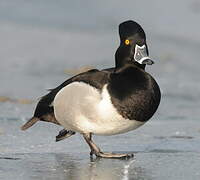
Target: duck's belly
column 82, row 108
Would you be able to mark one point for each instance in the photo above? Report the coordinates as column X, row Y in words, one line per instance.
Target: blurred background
column 43, row 42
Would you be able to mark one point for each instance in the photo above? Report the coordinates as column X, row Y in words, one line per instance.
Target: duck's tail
column 29, row 123
column 47, row 118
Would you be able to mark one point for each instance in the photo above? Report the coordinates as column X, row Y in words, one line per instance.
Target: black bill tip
column 148, row 62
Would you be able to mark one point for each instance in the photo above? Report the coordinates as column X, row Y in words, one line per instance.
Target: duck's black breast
column 134, row 93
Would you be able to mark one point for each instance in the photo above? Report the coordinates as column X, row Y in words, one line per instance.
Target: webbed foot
column 63, row 134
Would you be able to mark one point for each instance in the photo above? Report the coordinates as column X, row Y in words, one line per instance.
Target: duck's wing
column 109, row 70
column 45, row 111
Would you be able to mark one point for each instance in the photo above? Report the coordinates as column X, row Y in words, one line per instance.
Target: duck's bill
column 147, row 61
column 141, row 55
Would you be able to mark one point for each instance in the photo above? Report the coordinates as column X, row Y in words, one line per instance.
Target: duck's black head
column 133, row 47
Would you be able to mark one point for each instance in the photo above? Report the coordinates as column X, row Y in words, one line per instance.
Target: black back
column 93, row 77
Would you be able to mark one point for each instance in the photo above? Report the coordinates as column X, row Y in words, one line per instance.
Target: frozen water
column 159, row 153
column 39, row 40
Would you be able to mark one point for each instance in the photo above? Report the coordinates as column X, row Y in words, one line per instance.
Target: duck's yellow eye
column 127, row 42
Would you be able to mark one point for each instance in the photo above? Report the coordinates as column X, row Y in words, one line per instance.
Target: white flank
column 82, row 108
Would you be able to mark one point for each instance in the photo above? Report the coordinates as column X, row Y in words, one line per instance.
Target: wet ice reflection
column 97, row 169
column 66, row 167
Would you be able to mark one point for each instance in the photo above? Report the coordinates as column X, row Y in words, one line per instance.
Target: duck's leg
column 96, row 150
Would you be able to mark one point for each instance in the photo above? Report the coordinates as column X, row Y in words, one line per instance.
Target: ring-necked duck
column 105, row 102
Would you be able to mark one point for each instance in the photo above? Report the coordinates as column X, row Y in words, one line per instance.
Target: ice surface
column 39, row 40
column 160, row 153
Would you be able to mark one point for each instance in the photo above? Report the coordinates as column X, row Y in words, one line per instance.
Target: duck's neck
column 122, row 57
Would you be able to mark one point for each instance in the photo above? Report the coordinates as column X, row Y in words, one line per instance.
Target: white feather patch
column 82, row 108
